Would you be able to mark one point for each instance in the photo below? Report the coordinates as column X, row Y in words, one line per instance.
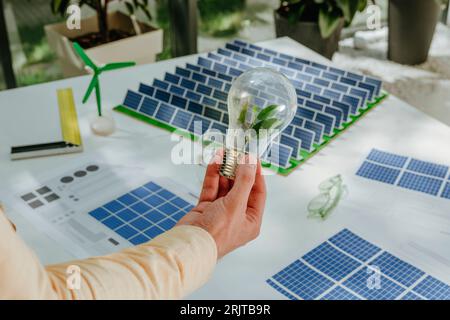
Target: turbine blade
column 117, row 65
column 91, row 87
column 84, row 56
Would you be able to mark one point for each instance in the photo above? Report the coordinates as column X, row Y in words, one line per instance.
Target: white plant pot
column 141, row 48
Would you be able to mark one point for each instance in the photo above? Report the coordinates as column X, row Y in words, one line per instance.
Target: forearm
column 168, row 267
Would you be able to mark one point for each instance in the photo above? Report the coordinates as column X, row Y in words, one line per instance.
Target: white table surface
column 286, row 232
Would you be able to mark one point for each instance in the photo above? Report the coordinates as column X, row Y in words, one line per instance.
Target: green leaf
column 328, row 22
column 267, row 112
column 243, row 114
column 271, row 123
column 349, row 8
column 130, row 8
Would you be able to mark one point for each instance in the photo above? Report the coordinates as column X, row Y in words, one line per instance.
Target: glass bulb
column 261, row 104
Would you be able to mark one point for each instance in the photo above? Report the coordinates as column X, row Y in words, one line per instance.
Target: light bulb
column 261, row 104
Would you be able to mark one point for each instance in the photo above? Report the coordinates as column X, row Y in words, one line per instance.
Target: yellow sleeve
column 168, row 267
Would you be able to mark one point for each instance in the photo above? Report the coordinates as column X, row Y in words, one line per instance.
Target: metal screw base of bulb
column 229, row 163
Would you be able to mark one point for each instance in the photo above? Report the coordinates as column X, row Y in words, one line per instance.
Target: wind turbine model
column 101, row 125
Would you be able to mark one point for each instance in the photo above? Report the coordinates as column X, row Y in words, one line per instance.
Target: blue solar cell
column 198, row 77
column 352, row 101
column 182, row 119
column 152, row 186
column 127, row 232
column 162, row 95
column 428, row 168
column 313, row 88
column 345, row 108
column 99, row 214
column 140, row 192
column 160, row 84
column 348, row 81
column 321, row 82
column 219, row 67
column 132, row 99
column 318, row 128
column 147, row 90
column 359, row 283
column 193, row 96
column 140, row 207
column 339, row 87
column 306, row 136
column 204, row 89
column 433, row 289
column 212, row 114
column 321, row 99
column 339, row 293
column 303, row 281
column 178, row 215
column 330, row 76
column 370, row 89
column 126, row 215
column 149, row 106
column 140, row 224
column 297, row 121
column 377, row 172
column 220, row 127
column 178, row 102
column 199, row 125
column 168, row 208
column 153, row 232
column 214, row 56
column 180, row 203
column 112, row 222
column 167, row 224
column 312, row 71
column 331, row 261
column 327, row 121
column 354, row 245
column 387, row 158
column 305, row 113
column 355, row 76
column 279, row 155
column 220, row 95
column 377, row 83
column 155, row 216
column 172, row 78
column 363, row 94
column 420, row 183
column 127, row 199
column 188, row 84
column 281, row 290
column 314, row 105
column 336, row 71
column 224, row 52
column 397, row 269
column 195, row 107
column 139, row 239
column 166, row 194
column 154, row 200
column 183, row 72
column 336, row 114
column 332, row 94
column 446, row 192
column 177, row 90
column 291, row 142
column 113, row 206
column 165, row 113
column 411, row 296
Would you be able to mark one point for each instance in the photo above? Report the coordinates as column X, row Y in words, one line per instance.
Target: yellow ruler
column 71, row 137
column 68, row 117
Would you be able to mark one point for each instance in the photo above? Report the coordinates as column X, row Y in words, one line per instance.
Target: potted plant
column 219, row 18
column 411, row 29
column 106, row 37
column 316, row 23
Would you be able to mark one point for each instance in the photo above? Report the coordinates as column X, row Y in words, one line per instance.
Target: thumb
column 243, row 182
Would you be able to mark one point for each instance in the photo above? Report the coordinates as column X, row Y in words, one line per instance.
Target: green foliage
column 263, row 120
column 221, row 18
column 328, row 13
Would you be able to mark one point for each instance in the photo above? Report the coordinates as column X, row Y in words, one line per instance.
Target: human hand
column 231, row 211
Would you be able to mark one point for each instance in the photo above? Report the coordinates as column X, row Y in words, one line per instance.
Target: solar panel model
column 329, row 99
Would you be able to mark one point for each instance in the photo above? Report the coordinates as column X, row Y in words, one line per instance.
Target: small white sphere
column 103, row 126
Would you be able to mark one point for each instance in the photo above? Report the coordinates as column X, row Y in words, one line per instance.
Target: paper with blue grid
column 142, row 214
column 329, row 99
column 344, row 268
column 406, row 172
